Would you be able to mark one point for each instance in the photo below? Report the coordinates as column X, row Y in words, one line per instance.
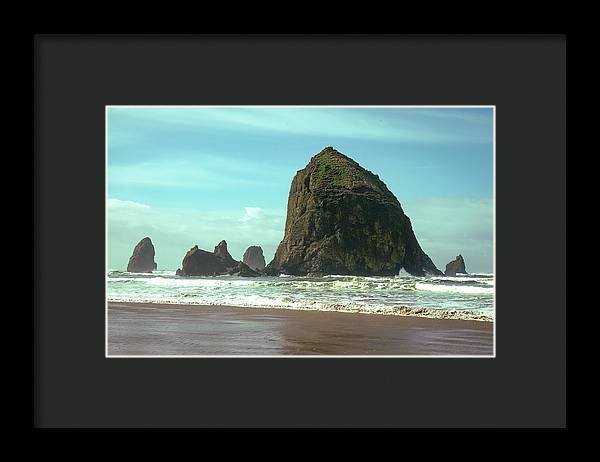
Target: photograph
column 300, row 231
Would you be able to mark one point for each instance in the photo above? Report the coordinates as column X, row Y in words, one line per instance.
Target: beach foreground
column 155, row 329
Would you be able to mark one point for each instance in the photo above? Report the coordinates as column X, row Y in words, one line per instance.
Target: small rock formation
column 142, row 259
column 342, row 219
column 456, row 266
column 254, row 258
column 223, row 254
column 198, row 262
column 241, row 269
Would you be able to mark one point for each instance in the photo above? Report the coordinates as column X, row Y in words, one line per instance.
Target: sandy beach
column 155, row 329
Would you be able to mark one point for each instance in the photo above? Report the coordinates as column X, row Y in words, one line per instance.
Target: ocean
column 461, row 297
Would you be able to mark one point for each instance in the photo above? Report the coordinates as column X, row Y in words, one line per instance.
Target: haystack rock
column 254, row 258
column 456, row 266
column 142, row 259
column 198, row 262
column 342, row 219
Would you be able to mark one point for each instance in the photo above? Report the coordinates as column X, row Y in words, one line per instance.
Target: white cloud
column 193, row 170
column 116, row 204
column 251, row 213
column 333, row 123
column 175, row 173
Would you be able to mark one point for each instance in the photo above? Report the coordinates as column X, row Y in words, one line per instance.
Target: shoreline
column 405, row 311
column 158, row 329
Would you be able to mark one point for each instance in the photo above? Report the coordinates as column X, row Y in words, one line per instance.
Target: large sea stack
column 254, row 258
column 456, row 266
column 198, row 262
column 142, row 259
column 342, row 219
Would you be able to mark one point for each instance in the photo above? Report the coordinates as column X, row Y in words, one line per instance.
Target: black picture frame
column 76, row 76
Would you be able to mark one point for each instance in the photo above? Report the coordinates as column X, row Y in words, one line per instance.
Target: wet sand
column 154, row 329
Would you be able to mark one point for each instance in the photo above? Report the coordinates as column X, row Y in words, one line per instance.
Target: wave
column 111, row 274
column 374, row 294
column 346, row 283
column 339, row 276
column 462, row 289
column 464, row 280
column 199, row 282
column 254, row 301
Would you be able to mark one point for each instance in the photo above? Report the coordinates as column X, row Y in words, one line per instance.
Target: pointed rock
column 456, row 266
column 342, row 219
column 222, row 253
column 254, row 258
column 142, row 259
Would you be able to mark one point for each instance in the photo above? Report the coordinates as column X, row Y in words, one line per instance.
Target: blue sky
column 193, row 176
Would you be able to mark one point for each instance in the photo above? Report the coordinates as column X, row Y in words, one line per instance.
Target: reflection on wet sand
column 152, row 329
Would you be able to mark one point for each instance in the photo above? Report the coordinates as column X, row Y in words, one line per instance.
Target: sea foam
column 440, row 297
column 455, row 289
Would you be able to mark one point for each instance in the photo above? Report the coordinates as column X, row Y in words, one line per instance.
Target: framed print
column 300, row 230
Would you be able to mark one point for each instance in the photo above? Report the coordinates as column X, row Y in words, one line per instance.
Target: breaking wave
column 461, row 297
column 456, row 289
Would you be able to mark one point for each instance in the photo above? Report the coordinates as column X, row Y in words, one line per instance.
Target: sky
column 188, row 176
